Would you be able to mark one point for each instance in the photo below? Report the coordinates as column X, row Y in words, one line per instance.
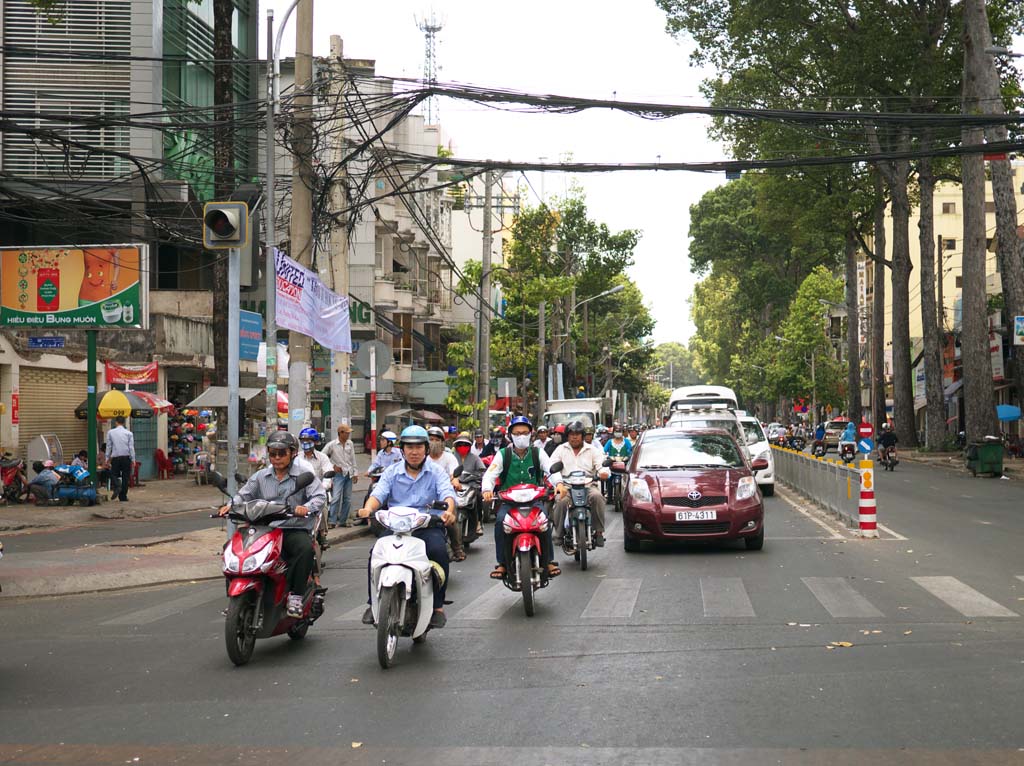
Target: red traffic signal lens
column 220, row 223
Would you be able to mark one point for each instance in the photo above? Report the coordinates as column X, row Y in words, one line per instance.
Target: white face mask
column 521, row 441
column 617, row 434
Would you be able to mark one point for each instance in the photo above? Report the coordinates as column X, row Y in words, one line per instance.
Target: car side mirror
column 555, row 467
column 759, row 465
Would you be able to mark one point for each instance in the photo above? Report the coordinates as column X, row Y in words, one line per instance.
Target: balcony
column 383, row 292
column 402, row 373
column 403, row 294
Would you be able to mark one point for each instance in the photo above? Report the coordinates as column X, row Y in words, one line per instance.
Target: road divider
column 843, row 490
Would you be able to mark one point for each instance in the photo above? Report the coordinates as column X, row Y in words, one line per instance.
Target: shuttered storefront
column 47, row 406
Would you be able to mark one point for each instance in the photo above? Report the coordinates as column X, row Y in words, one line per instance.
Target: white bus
column 691, row 395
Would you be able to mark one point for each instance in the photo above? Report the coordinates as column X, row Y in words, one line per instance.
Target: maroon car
column 684, row 485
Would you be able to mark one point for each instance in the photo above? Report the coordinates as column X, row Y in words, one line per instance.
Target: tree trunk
column 223, row 176
column 853, row 403
column 979, row 397
column 902, row 375
column 878, row 311
column 935, row 412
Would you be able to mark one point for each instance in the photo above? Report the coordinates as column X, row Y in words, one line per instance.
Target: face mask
column 617, row 434
column 521, row 441
column 463, row 450
column 307, row 446
column 436, row 448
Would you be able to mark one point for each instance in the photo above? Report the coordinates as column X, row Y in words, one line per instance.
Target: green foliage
column 461, row 385
column 674, row 366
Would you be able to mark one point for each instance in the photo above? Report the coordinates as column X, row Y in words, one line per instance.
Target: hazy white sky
column 588, row 48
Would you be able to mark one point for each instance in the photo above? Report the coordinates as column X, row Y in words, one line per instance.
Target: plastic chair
column 198, row 467
column 134, row 482
column 164, row 465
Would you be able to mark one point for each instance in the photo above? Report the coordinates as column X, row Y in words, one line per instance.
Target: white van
column 589, row 411
column 693, row 395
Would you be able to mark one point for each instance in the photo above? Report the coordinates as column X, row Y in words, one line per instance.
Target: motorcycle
column 489, row 511
column 847, row 451
column 255, row 576
column 15, row 487
column 1, row 556
column 526, row 519
column 374, row 477
column 328, row 482
column 466, row 499
column 578, row 534
column 818, row 449
column 887, row 458
column 402, row 579
column 798, row 443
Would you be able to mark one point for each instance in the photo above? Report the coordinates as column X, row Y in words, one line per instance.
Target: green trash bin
column 985, row 457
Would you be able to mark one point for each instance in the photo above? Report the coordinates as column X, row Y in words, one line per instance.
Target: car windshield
column 837, row 425
column 753, row 430
column 688, row 451
column 725, row 424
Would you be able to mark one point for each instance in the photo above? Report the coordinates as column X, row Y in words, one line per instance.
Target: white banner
column 995, row 341
column 305, row 305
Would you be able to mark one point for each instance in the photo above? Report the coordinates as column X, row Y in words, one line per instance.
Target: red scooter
column 257, row 588
column 525, row 521
column 15, row 488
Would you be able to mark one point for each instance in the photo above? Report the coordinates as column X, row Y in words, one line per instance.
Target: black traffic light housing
column 225, row 225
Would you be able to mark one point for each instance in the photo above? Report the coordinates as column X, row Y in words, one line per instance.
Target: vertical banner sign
column 1018, row 331
column 305, row 305
column 14, row 408
column 250, row 335
column 995, row 342
column 89, row 287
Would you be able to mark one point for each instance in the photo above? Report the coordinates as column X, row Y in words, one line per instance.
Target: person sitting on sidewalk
column 44, row 483
column 81, row 459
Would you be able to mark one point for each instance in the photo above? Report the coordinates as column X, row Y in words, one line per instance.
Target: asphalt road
column 694, row 655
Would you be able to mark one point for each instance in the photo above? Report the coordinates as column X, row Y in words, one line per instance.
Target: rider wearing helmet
column 521, row 463
column 887, row 439
column 473, row 467
column 557, row 437
column 321, row 465
column 496, row 443
column 387, row 455
column 418, row 483
column 542, row 436
column 575, row 455
column 276, row 482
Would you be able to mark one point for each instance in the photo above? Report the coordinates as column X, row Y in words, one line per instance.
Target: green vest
column 516, row 470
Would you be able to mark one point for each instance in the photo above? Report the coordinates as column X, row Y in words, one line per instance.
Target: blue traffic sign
column 866, row 445
column 46, row 341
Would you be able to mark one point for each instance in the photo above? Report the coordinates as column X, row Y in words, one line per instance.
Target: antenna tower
column 430, row 26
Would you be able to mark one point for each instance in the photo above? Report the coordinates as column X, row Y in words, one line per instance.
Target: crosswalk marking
column 356, row 613
column 490, row 605
column 725, row 597
column 963, row 598
column 168, row 608
column 614, row 599
column 839, row 598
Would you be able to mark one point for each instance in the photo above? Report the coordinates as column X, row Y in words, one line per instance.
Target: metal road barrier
column 830, row 483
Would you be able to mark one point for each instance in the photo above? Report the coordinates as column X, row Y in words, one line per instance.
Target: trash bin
column 985, row 457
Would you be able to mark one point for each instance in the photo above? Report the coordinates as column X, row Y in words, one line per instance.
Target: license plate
column 696, row 515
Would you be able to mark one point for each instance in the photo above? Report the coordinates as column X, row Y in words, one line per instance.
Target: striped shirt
column 343, row 456
column 264, row 485
column 120, row 443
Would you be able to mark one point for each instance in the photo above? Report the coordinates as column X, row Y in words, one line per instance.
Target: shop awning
column 217, row 396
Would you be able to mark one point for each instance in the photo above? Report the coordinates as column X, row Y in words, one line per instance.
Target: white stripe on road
column 356, row 613
column 614, row 599
column 839, row 598
column 963, row 598
column 168, row 608
column 490, row 605
column 725, row 597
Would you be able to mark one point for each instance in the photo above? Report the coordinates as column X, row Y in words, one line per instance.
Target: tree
column 461, row 385
column 675, row 366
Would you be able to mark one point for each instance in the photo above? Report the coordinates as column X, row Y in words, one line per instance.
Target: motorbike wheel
column 387, row 625
column 299, row 631
column 618, row 497
column 238, row 634
column 581, row 546
column 526, row 578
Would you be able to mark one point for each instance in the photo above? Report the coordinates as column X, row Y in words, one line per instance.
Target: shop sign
column 14, row 408
column 89, row 287
column 130, row 374
column 250, row 335
column 1018, row 331
column 995, row 342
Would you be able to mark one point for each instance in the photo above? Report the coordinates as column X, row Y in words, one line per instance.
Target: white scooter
column 402, row 580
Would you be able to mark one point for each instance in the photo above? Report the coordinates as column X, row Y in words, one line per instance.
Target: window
column 990, row 207
column 988, row 243
column 949, row 208
column 402, row 344
column 378, row 251
column 959, row 282
column 949, row 244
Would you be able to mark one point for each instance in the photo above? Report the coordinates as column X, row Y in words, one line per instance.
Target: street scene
column 565, row 383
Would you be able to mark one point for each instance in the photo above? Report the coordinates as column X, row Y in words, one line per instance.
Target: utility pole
column 301, row 225
column 484, row 377
column 270, row 266
column 340, row 363
column 542, row 403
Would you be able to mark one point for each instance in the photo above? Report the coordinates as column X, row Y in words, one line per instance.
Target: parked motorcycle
column 402, row 579
column 887, row 458
column 256, row 585
column 467, row 499
column 526, row 519
column 15, row 486
column 847, row 451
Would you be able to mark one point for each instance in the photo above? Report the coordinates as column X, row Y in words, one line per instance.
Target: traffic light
column 225, row 225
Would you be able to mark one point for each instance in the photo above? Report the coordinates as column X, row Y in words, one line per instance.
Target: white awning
column 217, row 396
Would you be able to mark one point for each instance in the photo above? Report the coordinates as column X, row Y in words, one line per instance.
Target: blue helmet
column 520, row 420
column 414, row 435
column 310, row 434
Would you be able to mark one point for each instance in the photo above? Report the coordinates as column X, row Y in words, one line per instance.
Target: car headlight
column 746, row 488
column 640, row 491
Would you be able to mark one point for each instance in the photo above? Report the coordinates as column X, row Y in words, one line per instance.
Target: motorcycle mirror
column 457, row 472
column 555, row 467
column 240, row 480
column 607, row 462
column 329, row 475
column 304, row 480
column 218, row 480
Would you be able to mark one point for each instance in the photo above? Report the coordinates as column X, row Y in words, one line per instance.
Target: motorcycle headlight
column 640, row 491
column 746, row 488
column 230, row 561
column 254, row 562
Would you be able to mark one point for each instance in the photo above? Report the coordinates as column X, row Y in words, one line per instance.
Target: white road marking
column 356, row 613
column 725, row 597
column 895, row 535
column 490, row 605
column 168, row 608
column 963, row 598
column 614, row 599
column 839, row 598
column 833, row 534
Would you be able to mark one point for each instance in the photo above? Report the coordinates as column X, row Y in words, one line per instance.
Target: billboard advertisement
column 87, row 287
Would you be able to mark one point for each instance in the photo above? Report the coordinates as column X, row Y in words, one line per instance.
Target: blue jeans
column 341, row 504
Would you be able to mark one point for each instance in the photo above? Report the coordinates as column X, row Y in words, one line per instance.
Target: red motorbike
column 257, row 587
column 525, row 521
column 13, row 472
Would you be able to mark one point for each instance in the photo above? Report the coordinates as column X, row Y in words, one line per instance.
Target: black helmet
column 575, row 427
column 283, row 440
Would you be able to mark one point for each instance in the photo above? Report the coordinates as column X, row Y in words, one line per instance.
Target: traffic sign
column 382, row 358
column 865, row 445
column 865, row 430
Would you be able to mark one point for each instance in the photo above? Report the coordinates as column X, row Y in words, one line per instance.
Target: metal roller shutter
column 47, row 406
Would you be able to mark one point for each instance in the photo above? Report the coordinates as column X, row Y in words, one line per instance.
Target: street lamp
column 999, row 50
column 609, row 291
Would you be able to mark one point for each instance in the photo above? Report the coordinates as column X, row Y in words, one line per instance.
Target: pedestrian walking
column 121, row 452
column 342, row 455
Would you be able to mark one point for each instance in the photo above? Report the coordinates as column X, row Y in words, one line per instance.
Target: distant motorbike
column 818, row 449
column 798, row 443
column 15, row 487
column 887, row 458
column 467, row 500
column 488, row 511
column 847, row 451
column 256, row 584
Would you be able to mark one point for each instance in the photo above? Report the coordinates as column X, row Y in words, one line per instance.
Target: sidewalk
column 954, row 461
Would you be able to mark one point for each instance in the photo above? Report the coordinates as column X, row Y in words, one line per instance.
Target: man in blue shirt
column 417, row 483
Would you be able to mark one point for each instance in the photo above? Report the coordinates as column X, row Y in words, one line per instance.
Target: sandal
column 553, row 570
column 458, row 555
column 498, row 573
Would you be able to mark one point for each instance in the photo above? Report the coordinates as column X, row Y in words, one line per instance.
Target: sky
column 590, row 49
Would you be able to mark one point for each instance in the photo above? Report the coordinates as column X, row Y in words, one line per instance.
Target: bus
column 690, row 395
